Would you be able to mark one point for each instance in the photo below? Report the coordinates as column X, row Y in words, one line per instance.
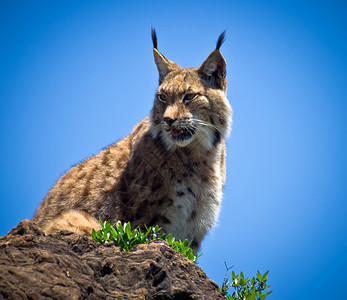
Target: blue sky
column 66, row 91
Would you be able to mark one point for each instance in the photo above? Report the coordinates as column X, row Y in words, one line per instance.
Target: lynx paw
column 74, row 221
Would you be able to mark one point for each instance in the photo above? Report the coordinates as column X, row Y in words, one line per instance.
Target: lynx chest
column 179, row 193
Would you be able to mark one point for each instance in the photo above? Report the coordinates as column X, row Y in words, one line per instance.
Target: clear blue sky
column 67, row 70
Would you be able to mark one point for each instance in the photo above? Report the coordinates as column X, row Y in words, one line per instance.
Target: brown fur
column 169, row 171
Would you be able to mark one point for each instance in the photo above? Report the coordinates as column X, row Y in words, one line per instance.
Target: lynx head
column 190, row 106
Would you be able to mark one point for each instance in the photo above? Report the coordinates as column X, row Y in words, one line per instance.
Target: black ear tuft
column 154, row 38
column 220, row 41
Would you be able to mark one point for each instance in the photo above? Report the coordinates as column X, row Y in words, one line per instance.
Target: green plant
column 126, row 238
column 245, row 288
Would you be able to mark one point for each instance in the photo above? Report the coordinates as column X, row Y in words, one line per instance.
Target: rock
column 71, row 266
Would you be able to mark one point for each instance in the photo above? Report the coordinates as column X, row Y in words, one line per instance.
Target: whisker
column 203, row 123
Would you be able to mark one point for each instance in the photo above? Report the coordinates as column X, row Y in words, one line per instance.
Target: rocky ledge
column 70, row 266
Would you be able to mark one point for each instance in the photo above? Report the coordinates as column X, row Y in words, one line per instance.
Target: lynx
column 169, row 171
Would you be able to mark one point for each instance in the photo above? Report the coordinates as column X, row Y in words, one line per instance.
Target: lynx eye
column 161, row 98
column 189, row 97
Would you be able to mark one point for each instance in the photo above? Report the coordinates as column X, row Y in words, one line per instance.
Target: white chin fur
column 183, row 143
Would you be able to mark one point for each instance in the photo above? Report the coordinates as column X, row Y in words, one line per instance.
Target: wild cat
column 169, row 171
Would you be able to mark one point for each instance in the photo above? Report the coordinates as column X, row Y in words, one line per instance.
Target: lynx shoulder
column 169, row 171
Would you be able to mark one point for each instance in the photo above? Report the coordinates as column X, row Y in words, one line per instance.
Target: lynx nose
column 168, row 120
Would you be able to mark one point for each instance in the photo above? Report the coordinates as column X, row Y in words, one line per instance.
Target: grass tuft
column 126, row 238
column 245, row 288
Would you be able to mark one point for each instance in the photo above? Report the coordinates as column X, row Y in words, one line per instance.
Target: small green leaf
column 265, row 276
column 258, row 275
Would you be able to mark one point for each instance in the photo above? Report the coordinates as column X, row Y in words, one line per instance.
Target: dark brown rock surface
column 70, row 266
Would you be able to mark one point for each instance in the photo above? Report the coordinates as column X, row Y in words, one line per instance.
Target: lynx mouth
column 180, row 134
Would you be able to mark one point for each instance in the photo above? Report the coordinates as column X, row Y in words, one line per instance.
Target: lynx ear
column 213, row 68
column 164, row 65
